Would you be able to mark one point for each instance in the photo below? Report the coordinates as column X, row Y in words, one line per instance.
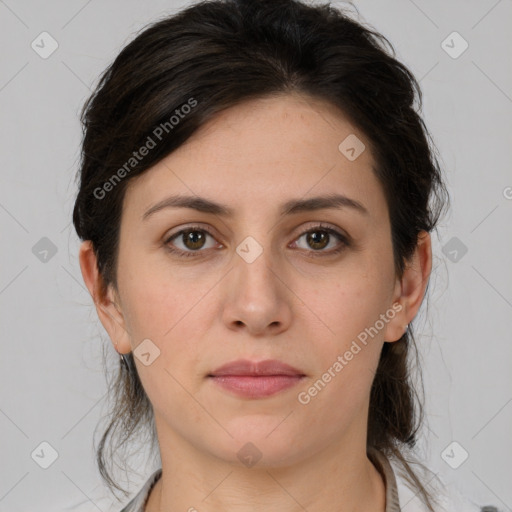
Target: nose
column 257, row 297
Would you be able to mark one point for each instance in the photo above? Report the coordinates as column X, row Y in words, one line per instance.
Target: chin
column 263, row 442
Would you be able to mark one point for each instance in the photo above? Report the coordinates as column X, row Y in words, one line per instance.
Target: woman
column 257, row 192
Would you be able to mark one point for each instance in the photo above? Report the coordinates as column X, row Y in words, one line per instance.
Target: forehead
column 263, row 153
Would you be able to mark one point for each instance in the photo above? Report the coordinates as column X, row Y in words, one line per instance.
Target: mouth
column 250, row 379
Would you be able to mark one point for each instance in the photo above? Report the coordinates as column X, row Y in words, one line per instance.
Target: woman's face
column 263, row 282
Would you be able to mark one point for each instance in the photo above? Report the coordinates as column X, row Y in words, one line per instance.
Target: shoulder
column 448, row 497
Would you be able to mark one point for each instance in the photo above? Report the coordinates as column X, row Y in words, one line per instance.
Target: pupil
column 194, row 237
column 315, row 237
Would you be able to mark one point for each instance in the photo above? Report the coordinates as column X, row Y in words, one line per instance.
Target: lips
column 244, row 367
column 255, row 380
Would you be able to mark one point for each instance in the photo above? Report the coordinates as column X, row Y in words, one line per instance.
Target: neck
column 334, row 480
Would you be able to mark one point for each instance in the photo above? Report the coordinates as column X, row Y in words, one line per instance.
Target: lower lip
column 256, row 387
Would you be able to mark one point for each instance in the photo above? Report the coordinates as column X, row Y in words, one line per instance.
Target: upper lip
column 246, row 367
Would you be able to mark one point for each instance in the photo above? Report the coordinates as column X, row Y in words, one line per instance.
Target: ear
column 410, row 289
column 106, row 300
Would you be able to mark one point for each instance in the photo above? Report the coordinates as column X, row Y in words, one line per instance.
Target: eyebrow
column 201, row 204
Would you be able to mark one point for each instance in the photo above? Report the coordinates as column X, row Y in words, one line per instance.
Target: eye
column 319, row 237
column 193, row 239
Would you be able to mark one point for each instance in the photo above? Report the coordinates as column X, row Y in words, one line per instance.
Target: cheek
column 171, row 310
column 348, row 355
column 171, row 315
column 352, row 300
column 153, row 299
column 350, row 306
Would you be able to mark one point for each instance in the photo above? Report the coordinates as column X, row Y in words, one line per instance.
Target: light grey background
column 53, row 387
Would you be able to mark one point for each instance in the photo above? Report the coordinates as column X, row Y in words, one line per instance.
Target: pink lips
column 253, row 368
column 256, row 379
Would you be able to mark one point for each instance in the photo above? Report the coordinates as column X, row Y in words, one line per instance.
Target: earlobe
column 107, row 308
column 410, row 289
column 397, row 326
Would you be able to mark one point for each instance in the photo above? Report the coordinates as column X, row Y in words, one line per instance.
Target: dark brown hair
column 182, row 70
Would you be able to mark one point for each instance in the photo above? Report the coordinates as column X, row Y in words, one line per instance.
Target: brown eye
column 192, row 240
column 319, row 237
column 194, row 237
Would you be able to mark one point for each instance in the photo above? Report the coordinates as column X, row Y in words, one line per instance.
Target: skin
column 216, row 307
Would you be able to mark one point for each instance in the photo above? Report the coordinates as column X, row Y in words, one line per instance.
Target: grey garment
column 380, row 461
column 138, row 503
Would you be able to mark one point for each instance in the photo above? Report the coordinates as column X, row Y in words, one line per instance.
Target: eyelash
column 314, row 254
